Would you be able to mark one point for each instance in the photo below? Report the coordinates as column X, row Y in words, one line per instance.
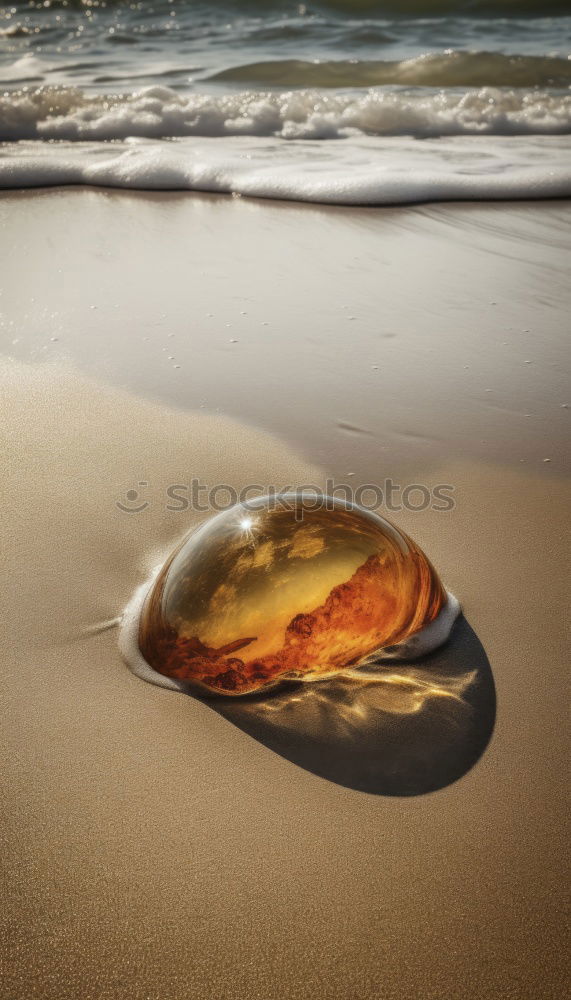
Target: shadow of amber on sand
column 408, row 729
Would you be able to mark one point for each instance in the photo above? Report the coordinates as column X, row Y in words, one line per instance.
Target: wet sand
column 159, row 846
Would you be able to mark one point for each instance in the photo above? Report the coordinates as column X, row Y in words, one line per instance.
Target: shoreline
column 502, row 200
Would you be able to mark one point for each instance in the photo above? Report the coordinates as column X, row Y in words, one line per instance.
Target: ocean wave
column 431, row 69
column 362, row 171
column 159, row 112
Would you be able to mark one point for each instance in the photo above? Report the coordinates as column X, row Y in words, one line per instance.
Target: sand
column 156, row 846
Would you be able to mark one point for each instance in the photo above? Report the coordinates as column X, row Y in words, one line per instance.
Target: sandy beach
column 158, row 846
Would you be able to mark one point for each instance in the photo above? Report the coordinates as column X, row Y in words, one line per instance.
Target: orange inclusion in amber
column 258, row 595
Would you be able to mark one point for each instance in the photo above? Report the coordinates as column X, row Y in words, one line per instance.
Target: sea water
column 345, row 101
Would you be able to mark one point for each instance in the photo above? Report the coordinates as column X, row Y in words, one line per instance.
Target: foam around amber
column 259, row 595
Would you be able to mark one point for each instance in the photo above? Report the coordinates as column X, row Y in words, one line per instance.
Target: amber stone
column 284, row 589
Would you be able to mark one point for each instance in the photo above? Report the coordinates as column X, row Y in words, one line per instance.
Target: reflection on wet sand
column 405, row 730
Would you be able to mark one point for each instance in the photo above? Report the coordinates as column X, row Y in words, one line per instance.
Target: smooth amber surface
column 257, row 595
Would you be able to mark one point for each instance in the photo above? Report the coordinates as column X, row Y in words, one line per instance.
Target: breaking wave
column 253, row 98
column 159, row 112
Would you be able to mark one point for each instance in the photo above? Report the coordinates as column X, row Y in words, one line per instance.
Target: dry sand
column 156, row 847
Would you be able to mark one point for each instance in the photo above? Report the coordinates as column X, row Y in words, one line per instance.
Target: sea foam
column 160, row 112
column 357, row 171
column 486, row 143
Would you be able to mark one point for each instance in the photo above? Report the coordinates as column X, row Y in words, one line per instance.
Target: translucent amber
column 281, row 590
